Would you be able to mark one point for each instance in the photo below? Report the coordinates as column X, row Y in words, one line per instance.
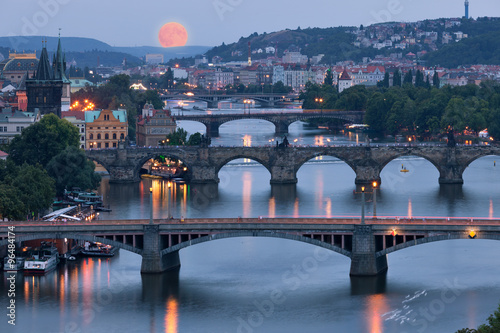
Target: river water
column 276, row 285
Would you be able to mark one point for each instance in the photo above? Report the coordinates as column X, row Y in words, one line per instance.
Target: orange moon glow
column 172, row 34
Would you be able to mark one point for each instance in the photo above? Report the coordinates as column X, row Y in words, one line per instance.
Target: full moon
column 172, row 34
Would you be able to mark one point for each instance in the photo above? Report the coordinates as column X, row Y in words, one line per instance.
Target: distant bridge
column 280, row 120
column 204, row 163
column 213, row 100
column 367, row 245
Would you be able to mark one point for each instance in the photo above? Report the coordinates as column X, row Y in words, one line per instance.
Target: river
column 276, row 285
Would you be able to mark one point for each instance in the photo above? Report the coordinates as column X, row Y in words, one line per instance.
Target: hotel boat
column 42, row 260
column 98, row 250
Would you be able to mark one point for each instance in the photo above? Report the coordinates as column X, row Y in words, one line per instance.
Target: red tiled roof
column 77, row 114
column 344, row 76
column 3, row 154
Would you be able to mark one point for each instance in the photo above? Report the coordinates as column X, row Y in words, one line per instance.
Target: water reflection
column 376, row 306
column 368, row 285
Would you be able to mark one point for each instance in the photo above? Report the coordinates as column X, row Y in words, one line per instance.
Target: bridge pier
column 152, row 260
column 451, row 174
column 122, row 174
column 283, row 174
column 203, row 174
column 213, row 129
column 364, row 260
column 281, row 128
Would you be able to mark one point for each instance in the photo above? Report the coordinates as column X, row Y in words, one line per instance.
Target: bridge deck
column 270, row 222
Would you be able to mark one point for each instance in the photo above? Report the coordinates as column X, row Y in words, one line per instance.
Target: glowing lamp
column 362, row 188
column 185, row 168
column 394, row 233
column 374, row 184
column 472, row 234
column 150, row 190
column 169, row 184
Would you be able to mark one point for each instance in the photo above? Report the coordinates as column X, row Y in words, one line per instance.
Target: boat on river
column 42, row 260
column 98, row 250
column 404, row 169
column 18, row 263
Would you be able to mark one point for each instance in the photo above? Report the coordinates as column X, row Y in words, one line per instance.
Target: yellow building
column 104, row 128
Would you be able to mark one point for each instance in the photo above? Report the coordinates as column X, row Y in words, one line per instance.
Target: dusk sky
column 211, row 22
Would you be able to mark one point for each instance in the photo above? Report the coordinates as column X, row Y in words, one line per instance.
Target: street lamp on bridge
column 320, row 101
column 245, row 103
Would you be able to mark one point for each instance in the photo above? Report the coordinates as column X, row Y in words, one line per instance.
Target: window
column 82, row 130
column 91, row 136
column 106, row 128
column 98, row 136
column 114, row 144
column 1, row 128
column 122, row 136
column 82, row 138
column 98, row 145
column 114, row 136
column 106, row 145
column 18, row 129
column 106, row 136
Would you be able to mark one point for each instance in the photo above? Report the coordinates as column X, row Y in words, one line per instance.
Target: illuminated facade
column 104, row 128
column 153, row 126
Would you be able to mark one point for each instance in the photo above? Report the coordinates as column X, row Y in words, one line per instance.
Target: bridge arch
column 99, row 161
column 256, row 234
column 479, row 156
column 409, row 153
column 77, row 236
column 307, row 158
column 436, row 238
column 257, row 159
column 152, row 155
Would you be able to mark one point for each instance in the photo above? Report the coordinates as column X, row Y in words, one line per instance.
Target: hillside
column 85, row 50
column 338, row 44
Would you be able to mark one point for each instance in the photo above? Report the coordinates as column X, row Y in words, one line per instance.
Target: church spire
column 43, row 72
column 59, row 65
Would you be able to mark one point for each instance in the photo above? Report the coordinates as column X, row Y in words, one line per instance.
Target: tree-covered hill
column 482, row 49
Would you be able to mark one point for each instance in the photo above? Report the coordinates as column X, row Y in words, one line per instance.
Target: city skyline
column 214, row 22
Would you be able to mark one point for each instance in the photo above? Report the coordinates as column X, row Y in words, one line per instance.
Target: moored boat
column 98, row 250
column 42, row 260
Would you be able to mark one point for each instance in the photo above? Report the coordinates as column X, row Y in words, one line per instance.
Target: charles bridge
column 280, row 120
column 367, row 161
column 159, row 241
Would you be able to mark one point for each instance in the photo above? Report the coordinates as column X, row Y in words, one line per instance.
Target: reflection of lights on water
column 376, row 307
column 247, row 193
column 247, row 141
column 272, row 208
column 410, row 213
column 171, row 315
column 296, row 208
column 318, row 140
column 328, row 208
column 491, row 209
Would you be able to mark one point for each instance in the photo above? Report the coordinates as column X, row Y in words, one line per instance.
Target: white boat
column 42, row 260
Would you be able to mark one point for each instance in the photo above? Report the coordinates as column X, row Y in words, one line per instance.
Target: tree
column 396, row 78
column 39, row 142
column 36, row 188
column 11, row 206
column 419, row 79
column 177, row 138
column 329, row 77
column 71, row 168
column 408, row 78
column 435, row 80
column 194, row 139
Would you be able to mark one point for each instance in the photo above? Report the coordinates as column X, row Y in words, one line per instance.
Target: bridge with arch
column 280, row 120
column 204, row 163
column 159, row 241
column 212, row 100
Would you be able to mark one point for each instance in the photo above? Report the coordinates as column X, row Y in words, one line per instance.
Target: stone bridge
column 213, row 100
column 159, row 242
column 204, row 163
column 280, row 120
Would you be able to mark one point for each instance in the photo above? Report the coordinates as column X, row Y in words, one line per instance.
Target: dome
column 16, row 65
